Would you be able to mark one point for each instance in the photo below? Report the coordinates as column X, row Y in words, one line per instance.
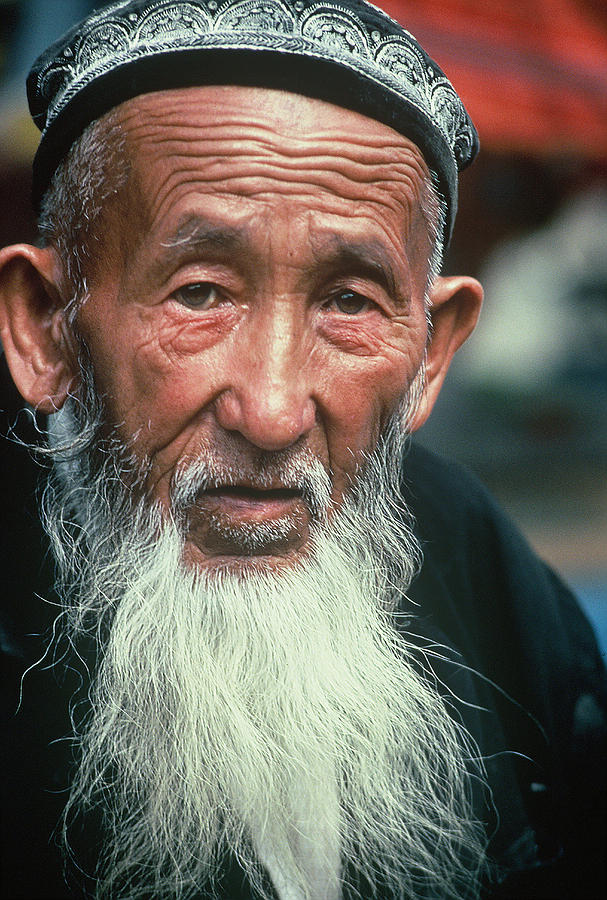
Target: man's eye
column 201, row 295
column 349, row 303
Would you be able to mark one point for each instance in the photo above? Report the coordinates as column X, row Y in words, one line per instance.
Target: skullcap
column 347, row 52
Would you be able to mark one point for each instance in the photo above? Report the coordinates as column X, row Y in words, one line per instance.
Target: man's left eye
column 349, row 303
column 200, row 295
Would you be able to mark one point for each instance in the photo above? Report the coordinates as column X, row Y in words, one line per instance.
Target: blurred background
column 526, row 402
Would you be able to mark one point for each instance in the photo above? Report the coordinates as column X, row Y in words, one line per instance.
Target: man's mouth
column 253, row 503
column 228, row 512
column 248, row 521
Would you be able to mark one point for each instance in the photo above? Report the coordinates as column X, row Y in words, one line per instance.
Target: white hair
column 434, row 208
column 95, row 170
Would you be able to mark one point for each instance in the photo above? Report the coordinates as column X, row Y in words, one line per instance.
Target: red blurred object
column 532, row 73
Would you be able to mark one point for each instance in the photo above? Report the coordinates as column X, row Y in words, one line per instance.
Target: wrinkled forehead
column 219, row 123
column 294, row 115
column 239, row 149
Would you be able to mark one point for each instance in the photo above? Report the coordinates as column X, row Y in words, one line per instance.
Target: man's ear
column 455, row 304
column 38, row 350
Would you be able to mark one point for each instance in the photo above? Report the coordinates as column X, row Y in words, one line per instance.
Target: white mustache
column 296, row 470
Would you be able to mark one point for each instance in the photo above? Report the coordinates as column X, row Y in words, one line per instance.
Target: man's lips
column 243, row 501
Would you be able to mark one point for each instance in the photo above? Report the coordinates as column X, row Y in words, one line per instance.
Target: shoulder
column 479, row 567
column 516, row 623
column 489, row 589
column 448, row 499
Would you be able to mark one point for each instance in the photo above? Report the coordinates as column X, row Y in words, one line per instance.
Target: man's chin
column 241, row 567
column 238, row 560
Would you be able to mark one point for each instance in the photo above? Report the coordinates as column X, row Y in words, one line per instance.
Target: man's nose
column 269, row 400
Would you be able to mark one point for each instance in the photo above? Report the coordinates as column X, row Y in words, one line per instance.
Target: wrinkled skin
column 260, row 288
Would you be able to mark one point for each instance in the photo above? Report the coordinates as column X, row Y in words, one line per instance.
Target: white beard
column 278, row 715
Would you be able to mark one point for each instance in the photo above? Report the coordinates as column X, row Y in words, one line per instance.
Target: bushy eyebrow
column 196, row 235
column 337, row 255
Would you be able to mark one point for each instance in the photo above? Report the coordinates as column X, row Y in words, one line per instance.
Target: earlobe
column 34, row 337
column 455, row 304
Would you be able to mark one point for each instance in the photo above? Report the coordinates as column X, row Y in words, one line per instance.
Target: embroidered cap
column 347, row 52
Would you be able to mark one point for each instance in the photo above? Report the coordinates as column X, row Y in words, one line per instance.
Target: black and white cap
column 347, row 52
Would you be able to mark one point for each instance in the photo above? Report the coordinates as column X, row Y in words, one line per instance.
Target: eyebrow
column 195, row 235
column 368, row 259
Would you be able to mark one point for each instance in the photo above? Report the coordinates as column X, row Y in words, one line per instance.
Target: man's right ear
column 38, row 348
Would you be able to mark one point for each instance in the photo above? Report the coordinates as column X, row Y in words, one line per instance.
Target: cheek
column 169, row 397
column 363, row 393
column 155, row 372
column 176, row 366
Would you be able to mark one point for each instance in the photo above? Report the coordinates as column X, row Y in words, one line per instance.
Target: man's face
column 259, row 288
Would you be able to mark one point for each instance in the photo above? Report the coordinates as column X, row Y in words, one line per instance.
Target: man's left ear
column 455, row 305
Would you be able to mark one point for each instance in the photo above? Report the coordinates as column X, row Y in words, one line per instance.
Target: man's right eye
column 199, row 295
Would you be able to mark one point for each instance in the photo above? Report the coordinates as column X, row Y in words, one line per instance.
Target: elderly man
column 234, row 320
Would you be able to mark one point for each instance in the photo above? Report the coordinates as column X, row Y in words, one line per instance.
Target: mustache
column 291, row 470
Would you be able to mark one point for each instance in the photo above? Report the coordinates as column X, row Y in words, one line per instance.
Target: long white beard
column 279, row 715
